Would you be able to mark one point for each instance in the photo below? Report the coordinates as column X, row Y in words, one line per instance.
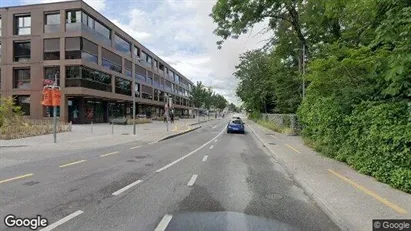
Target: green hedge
column 375, row 138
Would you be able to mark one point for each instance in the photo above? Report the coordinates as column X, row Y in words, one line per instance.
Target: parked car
column 235, row 125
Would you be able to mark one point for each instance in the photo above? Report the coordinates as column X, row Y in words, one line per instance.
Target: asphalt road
column 204, row 180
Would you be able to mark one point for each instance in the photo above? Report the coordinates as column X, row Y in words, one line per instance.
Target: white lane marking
column 212, row 146
column 153, row 142
column 61, row 221
column 214, row 127
column 192, row 180
column 135, row 147
column 205, row 158
column 189, row 154
column 127, row 187
column 215, row 141
column 164, row 223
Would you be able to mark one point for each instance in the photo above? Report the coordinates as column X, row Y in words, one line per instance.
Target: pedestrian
column 172, row 117
column 165, row 117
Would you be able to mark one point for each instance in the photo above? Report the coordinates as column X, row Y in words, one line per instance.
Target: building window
column 81, row 48
column 22, row 51
column 73, row 17
column 22, row 24
column 111, row 61
column 122, row 45
column 80, row 76
column 161, row 96
column 136, row 53
column 155, row 94
column 21, row 78
column 149, row 80
column 51, row 49
column 50, row 73
column 23, row 101
column 0, row 27
column 155, row 64
column 123, row 86
column 139, row 73
column 137, row 89
column 129, row 66
column 177, row 78
column 52, row 22
column 146, row 92
column 0, row 52
column 101, row 29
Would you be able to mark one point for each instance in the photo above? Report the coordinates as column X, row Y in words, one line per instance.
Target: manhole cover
column 140, row 157
column 30, row 183
column 274, row 196
column 271, row 143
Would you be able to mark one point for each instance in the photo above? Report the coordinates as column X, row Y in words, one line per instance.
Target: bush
column 379, row 142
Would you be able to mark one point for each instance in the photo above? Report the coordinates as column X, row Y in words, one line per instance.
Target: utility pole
column 303, row 70
column 134, row 108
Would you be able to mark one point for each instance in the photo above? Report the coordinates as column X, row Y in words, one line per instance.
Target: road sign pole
column 55, row 113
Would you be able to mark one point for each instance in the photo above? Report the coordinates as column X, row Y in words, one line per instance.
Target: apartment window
column 146, row 92
column 80, row 76
column 50, row 73
column 136, row 53
column 123, row 86
column 155, row 94
column 155, row 63
column 137, row 89
column 122, row 45
column 73, row 17
column 161, row 67
column 140, row 73
column 161, row 96
column 177, row 78
column 129, row 67
column 111, row 61
column 81, row 48
column 22, row 51
column 149, row 59
column 23, row 101
column 22, row 24
column 171, row 75
column 101, row 29
column 51, row 49
column 52, row 22
column 21, row 78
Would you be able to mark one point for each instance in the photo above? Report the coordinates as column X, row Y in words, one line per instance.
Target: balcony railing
column 52, row 28
column 140, row 78
column 88, row 84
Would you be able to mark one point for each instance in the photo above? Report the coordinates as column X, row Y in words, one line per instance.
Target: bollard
column 112, row 128
column 91, row 127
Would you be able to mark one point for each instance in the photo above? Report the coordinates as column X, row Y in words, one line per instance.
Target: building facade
column 97, row 65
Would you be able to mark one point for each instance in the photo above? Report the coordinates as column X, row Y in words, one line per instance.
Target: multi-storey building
column 97, row 65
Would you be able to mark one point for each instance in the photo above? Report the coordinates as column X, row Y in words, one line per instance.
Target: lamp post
column 55, row 111
column 134, row 108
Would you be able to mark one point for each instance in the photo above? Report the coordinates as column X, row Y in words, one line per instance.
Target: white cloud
column 98, row 5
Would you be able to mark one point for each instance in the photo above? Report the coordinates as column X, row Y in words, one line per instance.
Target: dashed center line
column 16, row 178
column 127, row 187
column 164, row 223
column 153, row 142
column 135, row 147
column 215, row 141
column 205, row 158
column 72, row 163
column 292, row 148
column 212, row 146
column 192, row 180
column 61, row 221
column 109, row 154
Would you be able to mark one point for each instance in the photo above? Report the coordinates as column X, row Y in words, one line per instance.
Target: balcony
column 78, row 26
column 52, row 28
column 140, row 78
column 161, row 72
column 88, row 84
column 156, row 84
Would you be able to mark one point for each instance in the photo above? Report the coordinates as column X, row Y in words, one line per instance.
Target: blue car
column 235, row 125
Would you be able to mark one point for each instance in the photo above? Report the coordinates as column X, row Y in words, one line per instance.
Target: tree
column 197, row 94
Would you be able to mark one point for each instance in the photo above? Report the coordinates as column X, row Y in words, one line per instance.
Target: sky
column 181, row 33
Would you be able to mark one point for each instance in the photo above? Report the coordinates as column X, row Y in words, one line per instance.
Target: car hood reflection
column 225, row 221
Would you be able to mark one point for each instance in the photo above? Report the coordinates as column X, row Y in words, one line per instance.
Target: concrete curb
column 343, row 224
column 178, row 134
column 199, row 122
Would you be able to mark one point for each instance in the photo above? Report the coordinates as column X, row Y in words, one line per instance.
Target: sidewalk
column 102, row 135
column 352, row 200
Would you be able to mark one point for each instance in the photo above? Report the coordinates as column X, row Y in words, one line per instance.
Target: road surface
column 204, row 180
